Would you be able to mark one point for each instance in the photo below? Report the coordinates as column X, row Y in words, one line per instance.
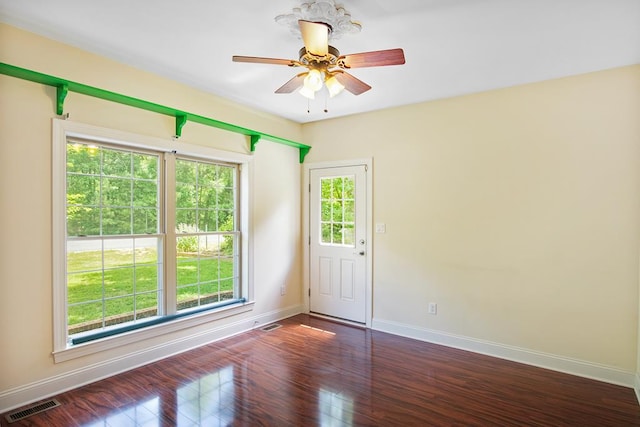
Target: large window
column 150, row 236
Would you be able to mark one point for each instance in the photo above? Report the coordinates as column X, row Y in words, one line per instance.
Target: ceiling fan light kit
column 317, row 22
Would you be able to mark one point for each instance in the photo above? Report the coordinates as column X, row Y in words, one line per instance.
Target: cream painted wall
column 517, row 211
column 26, row 110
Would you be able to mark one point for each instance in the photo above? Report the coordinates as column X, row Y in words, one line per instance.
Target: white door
column 338, row 256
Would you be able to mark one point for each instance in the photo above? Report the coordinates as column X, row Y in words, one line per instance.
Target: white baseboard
column 543, row 360
column 23, row 395
column 636, row 385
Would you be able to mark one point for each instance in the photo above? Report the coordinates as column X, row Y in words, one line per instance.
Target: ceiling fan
column 325, row 65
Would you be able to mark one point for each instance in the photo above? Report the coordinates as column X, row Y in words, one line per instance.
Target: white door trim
column 368, row 162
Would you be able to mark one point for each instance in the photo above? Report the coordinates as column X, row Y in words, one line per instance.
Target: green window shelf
column 63, row 87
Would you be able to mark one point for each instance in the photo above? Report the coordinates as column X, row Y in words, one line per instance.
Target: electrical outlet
column 433, row 308
column 283, row 289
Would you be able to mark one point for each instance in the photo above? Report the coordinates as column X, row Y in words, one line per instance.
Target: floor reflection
column 207, row 401
column 145, row 414
column 335, row 409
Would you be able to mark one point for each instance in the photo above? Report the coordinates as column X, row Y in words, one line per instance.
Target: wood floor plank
column 313, row 372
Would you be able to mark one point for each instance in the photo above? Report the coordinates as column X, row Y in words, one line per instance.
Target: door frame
column 306, row 219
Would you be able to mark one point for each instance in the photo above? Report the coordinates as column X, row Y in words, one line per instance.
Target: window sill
column 92, row 347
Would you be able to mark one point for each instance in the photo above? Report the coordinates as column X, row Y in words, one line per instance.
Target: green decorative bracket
column 61, row 94
column 254, row 141
column 64, row 86
column 303, row 153
column 181, row 119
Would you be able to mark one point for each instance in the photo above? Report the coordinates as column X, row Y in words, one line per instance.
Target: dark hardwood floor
column 312, row 372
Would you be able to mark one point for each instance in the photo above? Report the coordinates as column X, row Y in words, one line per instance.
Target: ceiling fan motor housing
column 319, row 62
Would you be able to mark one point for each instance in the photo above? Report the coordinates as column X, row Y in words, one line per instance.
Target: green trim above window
column 64, row 86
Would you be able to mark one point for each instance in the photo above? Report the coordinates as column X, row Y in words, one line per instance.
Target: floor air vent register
column 270, row 327
column 31, row 410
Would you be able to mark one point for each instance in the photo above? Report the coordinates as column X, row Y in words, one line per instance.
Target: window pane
column 145, row 221
column 84, row 255
column 225, row 220
column 186, row 221
column 118, row 253
column 83, row 221
column 84, row 317
column 116, row 221
column 202, row 273
column 337, row 188
column 185, row 195
column 349, row 234
column 349, row 211
column 84, row 159
column 118, row 282
column 119, row 310
column 207, row 220
column 337, row 211
column 187, row 244
column 116, row 163
column 209, row 291
column 188, row 297
column 116, row 192
column 326, row 232
column 336, row 234
column 145, row 194
column 325, row 186
column 210, row 245
column 206, row 197
column 325, row 207
column 110, row 280
column 145, row 167
column 185, row 172
column 227, row 245
column 206, row 174
column 226, row 176
column 225, row 198
column 146, row 278
column 147, row 305
column 83, row 287
column 225, row 268
column 349, row 188
column 83, row 190
column 226, row 289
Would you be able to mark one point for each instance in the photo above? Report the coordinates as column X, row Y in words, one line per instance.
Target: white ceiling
column 452, row 47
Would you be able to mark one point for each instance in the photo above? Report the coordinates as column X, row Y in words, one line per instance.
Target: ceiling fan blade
column 257, row 60
column 292, row 84
column 372, row 59
column 352, row 84
column 315, row 36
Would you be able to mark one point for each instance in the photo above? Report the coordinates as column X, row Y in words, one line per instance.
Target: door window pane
column 337, row 211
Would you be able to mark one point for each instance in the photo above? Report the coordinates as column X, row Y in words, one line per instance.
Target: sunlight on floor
column 318, row 329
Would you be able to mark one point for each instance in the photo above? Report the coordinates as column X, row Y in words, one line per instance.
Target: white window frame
column 63, row 129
